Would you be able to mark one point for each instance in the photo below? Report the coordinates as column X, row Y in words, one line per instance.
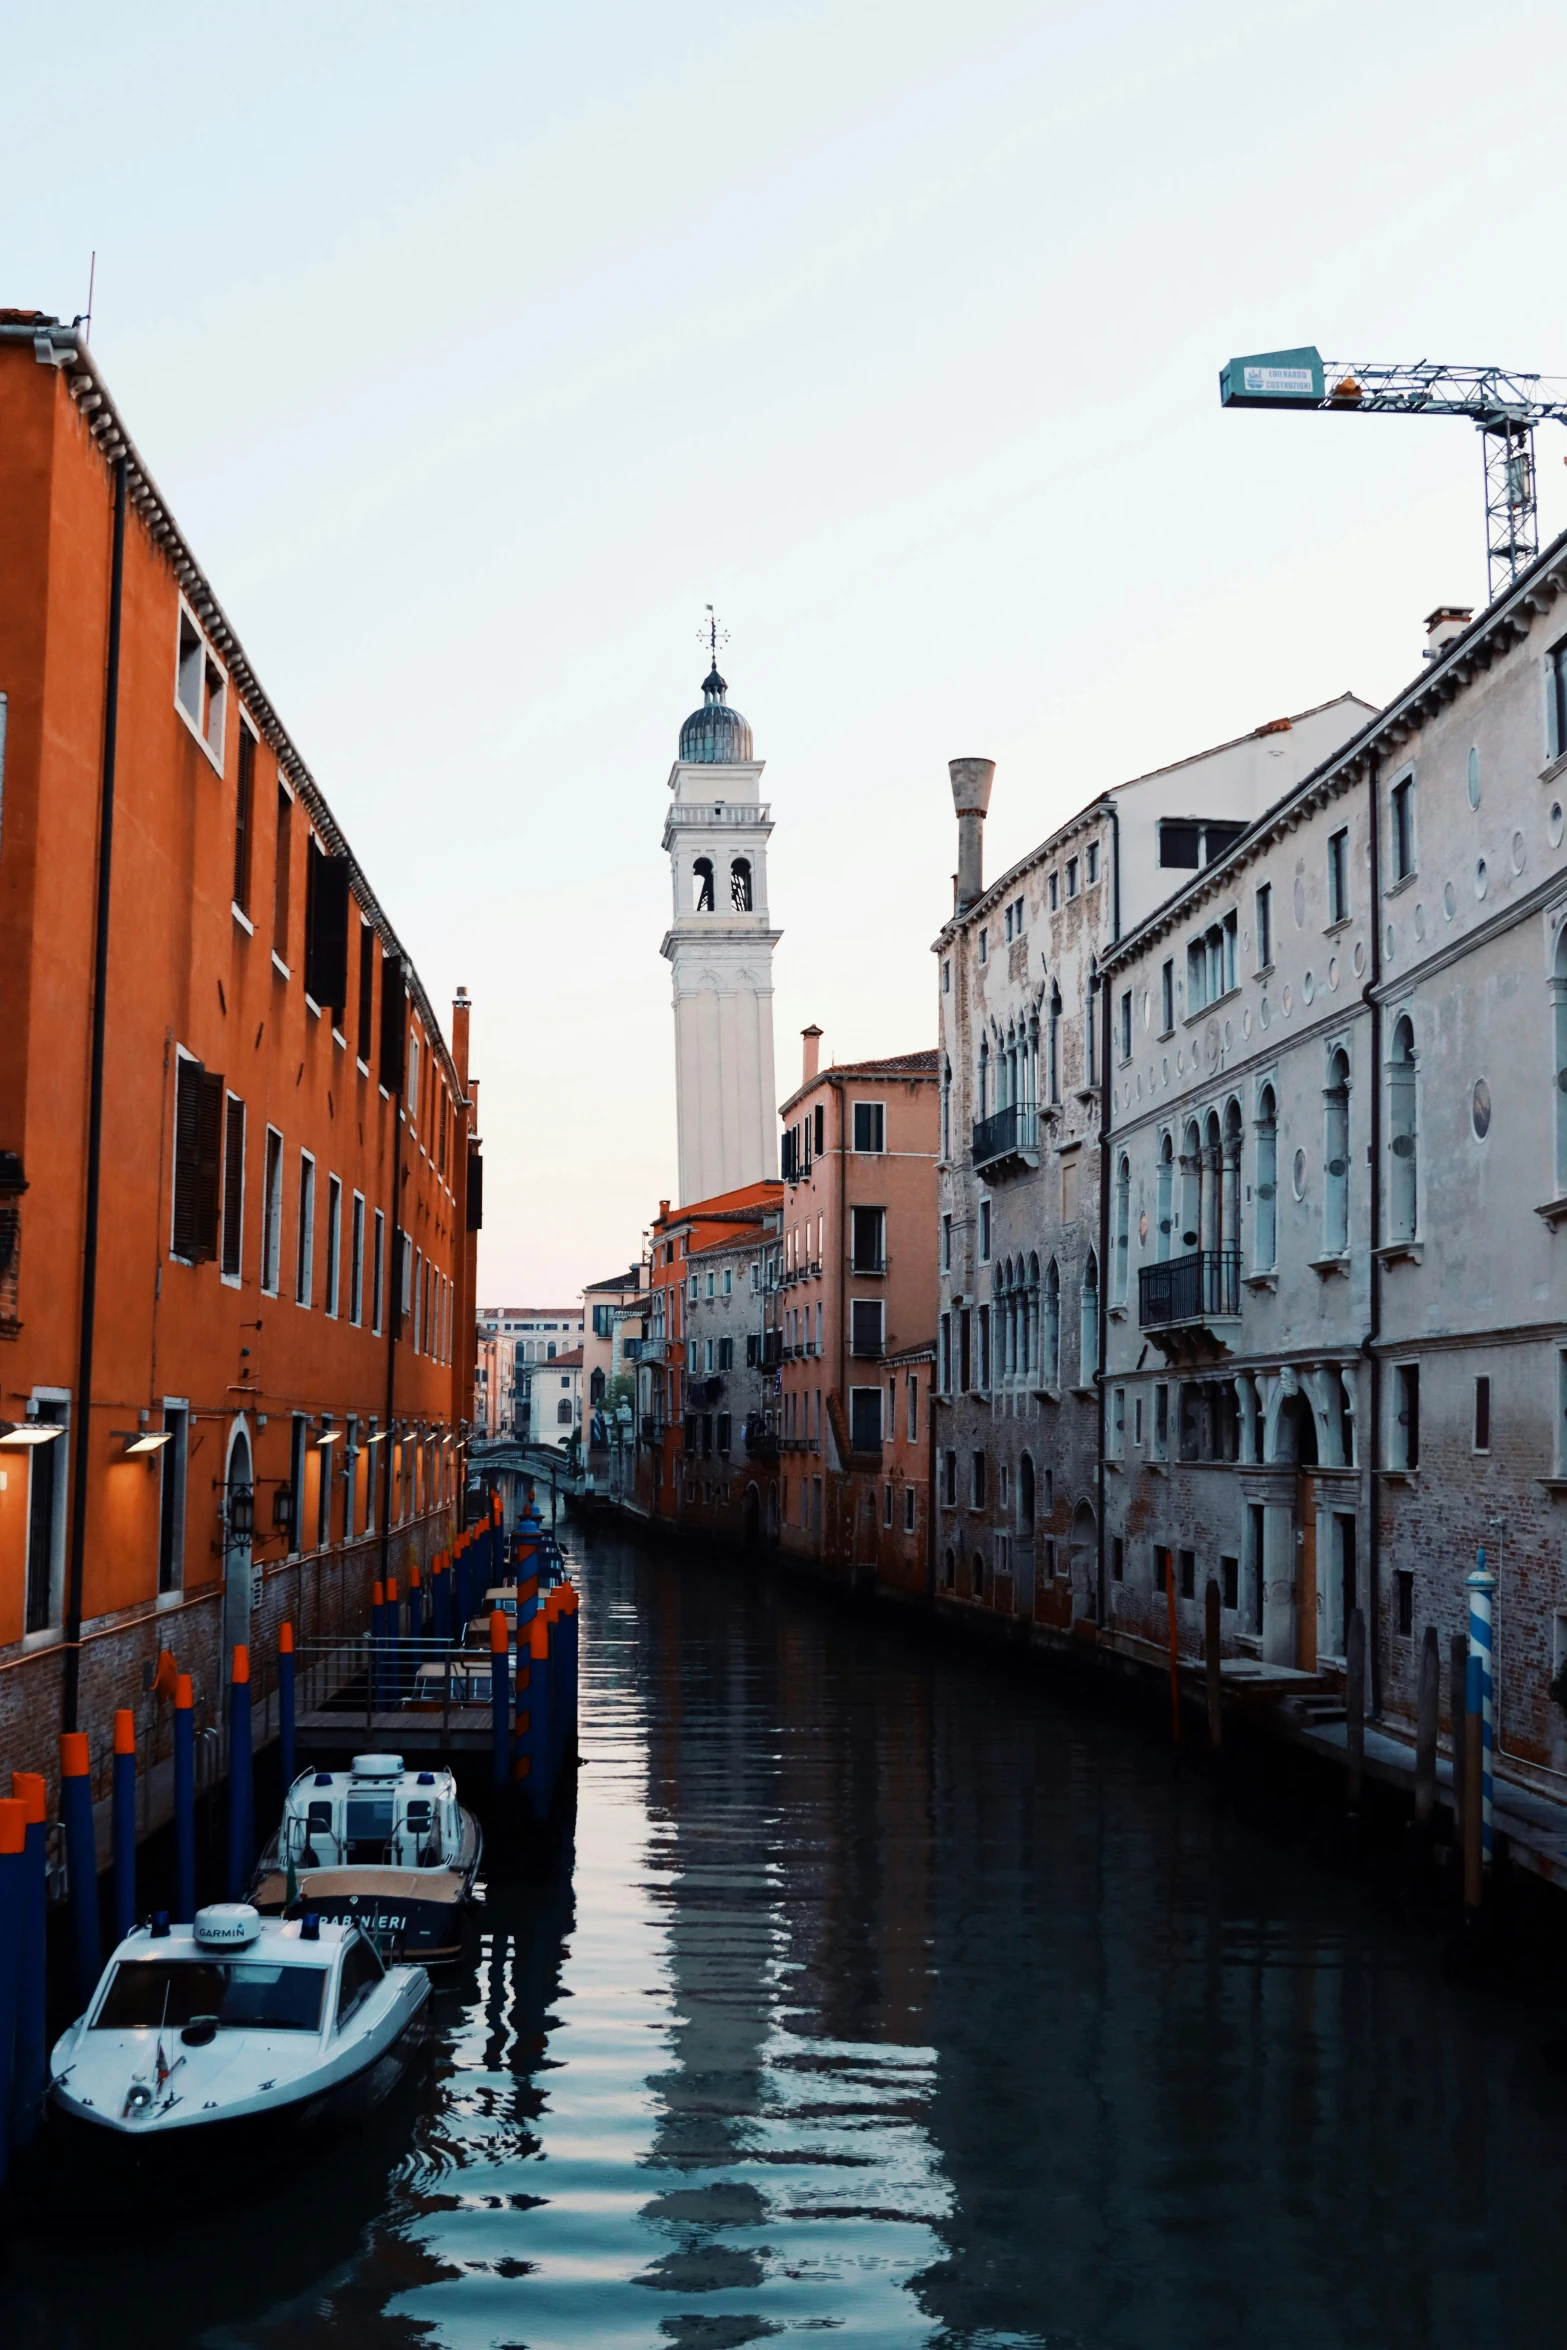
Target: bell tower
column 720, row 944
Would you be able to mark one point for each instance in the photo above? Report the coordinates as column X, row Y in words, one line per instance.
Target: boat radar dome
column 227, row 1925
column 378, row 1766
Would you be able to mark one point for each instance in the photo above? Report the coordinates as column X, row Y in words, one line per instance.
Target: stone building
column 1021, row 1252
column 509, row 1341
column 1336, row 1326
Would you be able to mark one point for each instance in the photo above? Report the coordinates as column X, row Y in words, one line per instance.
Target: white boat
column 385, row 1848
column 236, row 2026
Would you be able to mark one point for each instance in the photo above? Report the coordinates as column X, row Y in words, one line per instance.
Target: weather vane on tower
column 712, row 633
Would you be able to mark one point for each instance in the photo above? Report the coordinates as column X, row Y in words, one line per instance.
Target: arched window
column 1267, row 1225
column 984, row 1078
column 1230, row 1181
column 1025, row 1496
column 1335, row 1156
column 1055, row 1042
column 740, row 885
column 1051, row 1360
column 596, row 1386
column 1190, row 1234
column 1123, row 1229
column 1031, row 1316
column 1559, row 1039
column 946, row 1108
column 1166, row 1189
column 702, row 874
column 979, row 1576
column 1088, row 1322
column 1403, row 1174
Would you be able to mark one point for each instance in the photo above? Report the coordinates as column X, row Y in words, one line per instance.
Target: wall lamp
column 17, row 1434
column 140, row 1441
column 332, row 1436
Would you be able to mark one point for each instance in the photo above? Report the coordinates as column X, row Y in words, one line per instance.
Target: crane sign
column 1504, row 406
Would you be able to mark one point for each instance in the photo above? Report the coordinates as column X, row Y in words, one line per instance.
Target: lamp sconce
column 141, row 1443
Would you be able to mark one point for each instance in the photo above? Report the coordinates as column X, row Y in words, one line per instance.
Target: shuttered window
column 198, row 1136
column 326, row 929
column 394, row 1022
column 285, row 819
column 233, row 1187
column 366, row 991
column 244, row 800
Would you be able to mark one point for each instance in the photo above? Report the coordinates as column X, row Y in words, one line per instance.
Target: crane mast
column 1503, row 405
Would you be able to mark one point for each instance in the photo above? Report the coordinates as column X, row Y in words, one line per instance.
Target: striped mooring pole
column 81, row 1861
column 30, row 2068
column 184, row 1798
column 123, row 1819
column 1481, row 1691
column 285, row 1704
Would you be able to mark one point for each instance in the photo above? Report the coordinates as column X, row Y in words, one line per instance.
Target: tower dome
column 715, row 735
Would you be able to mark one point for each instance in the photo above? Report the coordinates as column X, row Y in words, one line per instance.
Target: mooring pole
column 1355, row 1707
column 1458, row 1702
column 1479, row 1731
column 1212, row 1602
column 1428, row 1706
column 1175, row 1649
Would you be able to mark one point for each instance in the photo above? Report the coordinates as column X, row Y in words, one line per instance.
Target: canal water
column 889, row 1998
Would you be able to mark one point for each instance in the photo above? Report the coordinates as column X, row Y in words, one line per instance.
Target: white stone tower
column 721, row 946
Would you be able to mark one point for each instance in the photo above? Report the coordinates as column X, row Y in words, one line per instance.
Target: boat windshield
column 242, row 1993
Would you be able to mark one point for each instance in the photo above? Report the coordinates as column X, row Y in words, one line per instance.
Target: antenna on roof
column 712, row 633
column 92, row 279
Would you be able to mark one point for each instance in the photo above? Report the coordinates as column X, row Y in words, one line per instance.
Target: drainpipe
column 1371, row 997
column 82, row 1433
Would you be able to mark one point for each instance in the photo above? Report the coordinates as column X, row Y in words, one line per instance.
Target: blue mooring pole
column 1481, row 1691
column 241, row 1787
column 441, row 1604
column 30, row 2074
column 285, row 1704
column 540, row 1776
column 81, row 1861
column 124, row 1820
column 184, row 1799
column 500, row 1698
column 13, row 1871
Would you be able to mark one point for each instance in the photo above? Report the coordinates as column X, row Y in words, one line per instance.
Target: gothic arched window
column 702, row 872
column 1267, row 1225
column 740, row 885
column 1088, row 1322
column 1335, row 1194
column 1403, row 1179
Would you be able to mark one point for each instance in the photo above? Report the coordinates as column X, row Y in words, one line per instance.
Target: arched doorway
column 1085, row 1562
column 239, row 1525
column 1295, row 1442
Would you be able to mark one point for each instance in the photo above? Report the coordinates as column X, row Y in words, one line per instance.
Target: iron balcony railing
column 1194, row 1288
column 1016, row 1128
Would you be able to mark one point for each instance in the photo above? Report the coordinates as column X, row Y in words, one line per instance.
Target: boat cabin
column 373, row 1815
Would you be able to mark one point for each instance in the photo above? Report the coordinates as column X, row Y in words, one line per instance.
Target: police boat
column 390, row 1850
column 234, row 2027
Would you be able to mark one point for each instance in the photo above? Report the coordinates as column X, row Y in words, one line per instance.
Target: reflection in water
column 890, row 1998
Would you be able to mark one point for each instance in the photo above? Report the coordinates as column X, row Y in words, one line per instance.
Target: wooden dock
column 399, row 1730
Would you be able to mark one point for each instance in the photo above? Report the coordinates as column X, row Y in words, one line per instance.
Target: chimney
column 812, row 1040
column 971, row 782
column 1442, row 625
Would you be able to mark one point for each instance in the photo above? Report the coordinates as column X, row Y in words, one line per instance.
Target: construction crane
column 1505, row 408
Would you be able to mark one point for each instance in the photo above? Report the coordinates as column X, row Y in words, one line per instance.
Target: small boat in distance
column 236, row 2026
column 387, row 1849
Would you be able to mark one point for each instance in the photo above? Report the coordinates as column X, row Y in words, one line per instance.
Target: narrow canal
column 892, row 1999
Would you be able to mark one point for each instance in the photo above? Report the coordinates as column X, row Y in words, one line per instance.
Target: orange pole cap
column 391, row 1591
column 74, row 1760
column 500, row 1632
column 184, row 1694
column 241, row 1668
column 539, row 1639
column 13, row 1824
column 31, row 1791
column 377, row 1594
column 413, row 1578
column 124, row 1730
column 285, row 1639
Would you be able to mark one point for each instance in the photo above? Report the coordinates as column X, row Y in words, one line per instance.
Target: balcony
column 1008, row 1136
column 1190, row 1293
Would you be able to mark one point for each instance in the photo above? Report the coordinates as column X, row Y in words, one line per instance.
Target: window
column 865, row 1326
column 280, row 862
column 1229, row 1582
column 1053, row 1044
column 200, row 688
column 46, row 1486
column 1091, row 1036
column 1050, row 1357
column 1166, row 997
column 949, row 1479
column 1402, row 816
column 1405, row 1584
column 946, row 977
column 946, row 1109
column 1210, row 964
column 984, row 947
column 1188, row 1574
column 563, row 1412
column 1055, row 893
column 1403, row 1169
column 362, row 1971
column 1180, row 846
column 870, row 1126
column 1338, row 876
column 868, row 1240
column 865, row 1419
column 173, row 1465
column 983, row 1366
column 334, row 1219
column 946, row 1244
column 1266, row 1228
column 740, row 885
column 233, row 1188
column 1482, row 1424
column 944, row 1353
column 1160, row 1448
column 1556, row 700
column 914, row 1407
column 378, row 1258
column 272, row 1213
column 244, row 819
column 725, row 1421
column 1071, row 878
column 1091, row 863
column 1124, row 1024
column 908, row 1509
column 977, row 1481
column 1335, row 1192
column 198, row 1141
column 1161, row 1568
column 366, row 1025
column 305, row 1255
column 1406, row 1416
column 1265, row 927
column 984, row 1231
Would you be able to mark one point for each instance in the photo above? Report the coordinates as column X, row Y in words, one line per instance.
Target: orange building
column 239, row 1180
column 855, row 1314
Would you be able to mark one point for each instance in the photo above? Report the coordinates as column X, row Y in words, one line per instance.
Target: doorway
column 239, row 1521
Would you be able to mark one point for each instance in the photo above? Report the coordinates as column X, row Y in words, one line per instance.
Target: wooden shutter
column 366, row 990
column 209, row 1163
column 233, row 1185
column 187, row 1112
column 394, row 1022
column 475, row 1221
column 326, row 929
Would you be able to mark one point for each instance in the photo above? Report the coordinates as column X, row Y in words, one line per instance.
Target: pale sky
column 477, row 348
